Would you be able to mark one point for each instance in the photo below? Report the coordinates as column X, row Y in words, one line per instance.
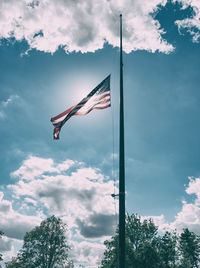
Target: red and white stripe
column 98, row 98
column 95, row 102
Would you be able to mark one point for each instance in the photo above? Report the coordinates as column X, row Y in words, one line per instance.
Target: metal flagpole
column 121, row 165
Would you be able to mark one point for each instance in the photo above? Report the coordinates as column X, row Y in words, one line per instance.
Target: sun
column 76, row 87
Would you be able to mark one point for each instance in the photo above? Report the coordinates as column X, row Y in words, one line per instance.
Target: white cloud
column 19, row 228
column 36, row 166
column 192, row 25
column 30, row 201
column 13, row 99
column 12, row 223
column 5, row 205
column 194, row 188
column 87, row 253
column 5, row 244
column 83, row 25
column 188, row 217
column 160, row 222
column 81, row 196
column 82, row 193
column 9, row 248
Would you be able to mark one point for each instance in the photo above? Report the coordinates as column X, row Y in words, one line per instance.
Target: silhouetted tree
column 168, row 250
column 16, row 262
column 142, row 242
column 146, row 249
column 110, row 254
column 44, row 247
column 189, row 247
column 141, row 245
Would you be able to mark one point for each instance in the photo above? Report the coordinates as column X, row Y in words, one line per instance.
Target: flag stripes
column 97, row 99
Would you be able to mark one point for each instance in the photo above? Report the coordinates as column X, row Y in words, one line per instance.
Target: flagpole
column 121, row 256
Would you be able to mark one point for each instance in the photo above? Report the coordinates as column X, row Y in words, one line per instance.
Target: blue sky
column 52, row 54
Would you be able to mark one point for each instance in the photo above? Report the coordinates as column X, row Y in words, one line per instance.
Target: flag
column 98, row 98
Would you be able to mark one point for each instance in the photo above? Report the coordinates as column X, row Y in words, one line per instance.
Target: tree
column 189, row 247
column 44, row 247
column 110, row 254
column 168, row 250
column 142, row 242
column 146, row 249
column 1, row 233
column 141, row 245
column 16, row 262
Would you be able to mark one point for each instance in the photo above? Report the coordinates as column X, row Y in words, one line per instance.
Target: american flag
column 98, row 98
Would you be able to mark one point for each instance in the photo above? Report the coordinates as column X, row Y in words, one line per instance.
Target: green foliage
column 167, row 250
column 141, row 242
column 15, row 263
column 44, row 247
column 189, row 247
column 141, row 245
column 110, row 255
column 146, row 249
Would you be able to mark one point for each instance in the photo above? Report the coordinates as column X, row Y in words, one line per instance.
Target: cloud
column 83, row 26
column 12, row 223
column 87, row 253
column 97, row 225
column 35, row 166
column 5, row 244
column 10, row 100
column 9, row 248
column 188, row 216
column 80, row 195
column 194, row 188
column 4, row 105
column 192, row 25
column 160, row 222
column 5, row 205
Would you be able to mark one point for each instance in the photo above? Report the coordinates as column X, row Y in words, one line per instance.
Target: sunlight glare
column 75, row 89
